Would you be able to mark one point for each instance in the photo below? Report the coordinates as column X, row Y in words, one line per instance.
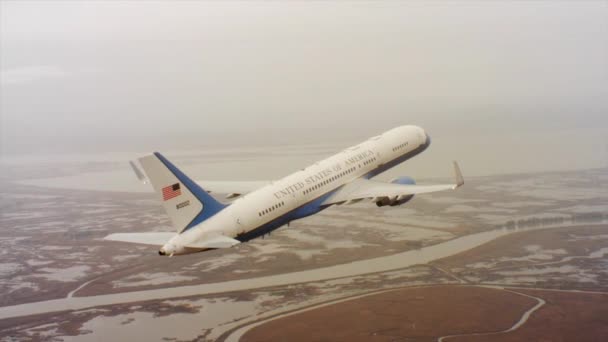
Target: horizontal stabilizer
column 140, row 175
column 156, row 238
column 232, row 189
column 215, row 242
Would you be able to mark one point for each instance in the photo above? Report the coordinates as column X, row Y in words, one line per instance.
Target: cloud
column 29, row 74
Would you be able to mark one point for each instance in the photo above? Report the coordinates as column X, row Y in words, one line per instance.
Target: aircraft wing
column 160, row 238
column 219, row 241
column 230, row 188
column 156, row 238
column 362, row 189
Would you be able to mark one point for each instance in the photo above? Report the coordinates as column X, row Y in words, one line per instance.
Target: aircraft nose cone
column 424, row 137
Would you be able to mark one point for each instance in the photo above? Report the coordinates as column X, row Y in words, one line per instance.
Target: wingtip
column 458, row 174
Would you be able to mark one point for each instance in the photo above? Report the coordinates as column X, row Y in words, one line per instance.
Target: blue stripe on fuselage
column 316, row 205
column 305, row 210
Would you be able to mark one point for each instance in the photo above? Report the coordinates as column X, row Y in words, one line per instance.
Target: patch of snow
column 145, row 279
column 63, row 274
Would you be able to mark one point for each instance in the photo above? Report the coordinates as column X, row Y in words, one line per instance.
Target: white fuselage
column 301, row 193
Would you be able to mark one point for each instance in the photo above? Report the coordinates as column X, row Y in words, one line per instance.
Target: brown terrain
column 565, row 317
column 428, row 313
column 421, row 314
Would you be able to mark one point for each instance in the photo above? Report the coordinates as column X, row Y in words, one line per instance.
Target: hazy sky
column 502, row 86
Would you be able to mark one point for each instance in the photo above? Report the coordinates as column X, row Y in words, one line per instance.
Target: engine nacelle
column 395, row 201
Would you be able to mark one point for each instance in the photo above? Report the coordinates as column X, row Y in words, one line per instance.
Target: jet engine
column 397, row 200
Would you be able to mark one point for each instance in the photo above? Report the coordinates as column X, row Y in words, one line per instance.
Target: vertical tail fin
column 186, row 203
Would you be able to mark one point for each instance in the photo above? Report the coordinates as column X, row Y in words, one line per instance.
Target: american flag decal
column 171, row 191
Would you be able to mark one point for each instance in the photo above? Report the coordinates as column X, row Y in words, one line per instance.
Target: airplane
column 203, row 223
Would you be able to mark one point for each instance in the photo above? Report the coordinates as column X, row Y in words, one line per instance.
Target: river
column 380, row 264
